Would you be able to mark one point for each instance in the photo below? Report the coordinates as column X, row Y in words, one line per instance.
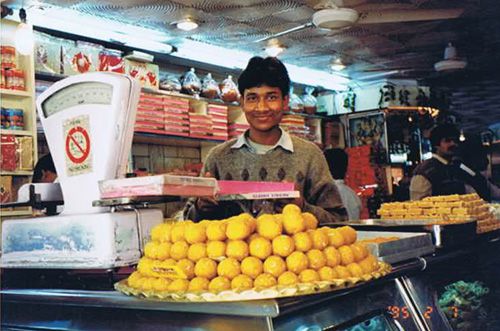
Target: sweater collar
column 284, row 142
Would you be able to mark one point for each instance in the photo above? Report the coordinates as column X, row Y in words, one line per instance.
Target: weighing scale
column 88, row 121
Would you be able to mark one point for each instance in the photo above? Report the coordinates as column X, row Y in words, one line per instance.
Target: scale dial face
column 86, row 93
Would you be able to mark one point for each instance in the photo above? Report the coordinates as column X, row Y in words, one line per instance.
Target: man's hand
column 206, row 204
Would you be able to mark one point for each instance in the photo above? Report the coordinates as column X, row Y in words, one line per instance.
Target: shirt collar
column 339, row 181
column 284, row 142
column 440, row 158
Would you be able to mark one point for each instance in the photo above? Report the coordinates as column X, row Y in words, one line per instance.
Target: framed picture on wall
column 367, row 129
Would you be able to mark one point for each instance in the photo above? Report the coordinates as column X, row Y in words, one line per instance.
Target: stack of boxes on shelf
column 237, row 122
column 162, row 114
column 218, row 113
column 295, row 124
column 176, row 116
column 365, row 176
column 150, row 114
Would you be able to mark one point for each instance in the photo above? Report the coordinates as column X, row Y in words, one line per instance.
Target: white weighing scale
column 88, row 122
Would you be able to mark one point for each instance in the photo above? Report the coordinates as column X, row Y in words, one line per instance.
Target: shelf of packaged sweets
column 10, row 213
column 15, row 93
column 17, row 132
column 16, row 173
column 171, row 140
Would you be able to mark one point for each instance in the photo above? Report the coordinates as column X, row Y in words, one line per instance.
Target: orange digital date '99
column 403, row 311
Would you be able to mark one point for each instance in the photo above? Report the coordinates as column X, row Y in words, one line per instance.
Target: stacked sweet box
column 296, row 125
column 237, row 122
column 150, row 115
column 176, row 112
column 218, row 113
column 200, row 126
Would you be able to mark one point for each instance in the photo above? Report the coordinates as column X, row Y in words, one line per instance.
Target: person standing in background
column 45, row 170
column 338, row 160
column 439, row 175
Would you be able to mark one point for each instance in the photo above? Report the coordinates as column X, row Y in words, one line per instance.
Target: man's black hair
column 337, row 160
column 44, row 163
column 442, row 131
column 269, row 71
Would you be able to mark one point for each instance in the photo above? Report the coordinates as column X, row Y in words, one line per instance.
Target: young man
column 338, row 160
column 439, row 175
column 267, row 153
column 45, row 170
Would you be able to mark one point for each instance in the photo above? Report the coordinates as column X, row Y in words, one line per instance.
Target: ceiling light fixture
column 337, row 65
column 187, row 24
column 274, row 50
column 24, row 38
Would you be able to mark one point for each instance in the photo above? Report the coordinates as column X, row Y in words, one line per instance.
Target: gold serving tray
column 277, row 291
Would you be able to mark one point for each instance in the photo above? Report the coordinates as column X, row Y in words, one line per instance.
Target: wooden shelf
column 169, row 140
column 16, row 173
column 17, row 132
column 10, row 213
column 15, row 93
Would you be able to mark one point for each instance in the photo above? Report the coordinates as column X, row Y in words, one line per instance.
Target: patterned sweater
column 306, row 166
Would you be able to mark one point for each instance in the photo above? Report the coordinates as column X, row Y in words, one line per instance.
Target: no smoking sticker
column 77, row 146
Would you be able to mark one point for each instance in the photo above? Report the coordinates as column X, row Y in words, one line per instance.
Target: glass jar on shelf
column 209, row 87
column 191, row 84
column 310, row 102
column 229, row 90
column 296, row 104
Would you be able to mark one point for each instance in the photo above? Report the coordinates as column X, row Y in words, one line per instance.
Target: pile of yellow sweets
column 453, row 208
column 242, row 253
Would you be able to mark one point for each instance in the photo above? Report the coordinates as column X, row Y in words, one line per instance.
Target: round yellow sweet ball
column 133, row 279
column 216, row 249
column 238, row 229
column 198, row 284
column 355, row 270
column 283, row 245
column 237, row 249
column 293, row 223
column 335, row 238
column 319, row 239
column 251, row 266
column 151, row 249
column 163, row 251
column 317, row 259
column 264, row 281
column 303, row 241
column 177, row 232
column 332, row 256
column 291, row 209
column 195, row 233
column 310, row 221
column 260, row 247
column 206, row 268
column 229, row 268
column 308, row 276
column 274, row 265
column 216, row 230
column 161, row 284
column 145, row 266
column 360, row 251
column 268, row 226
column 178, row 285
column 346, row 255
column 369, row 264
column 179, row 250
column 348, row 233
column 297, row 262
column 342, row 272
column 288, row 278
column 242, row 282
column 219, row 284
column 326, row 273
column 197, row 251
column 187, row 267
column 146, row 283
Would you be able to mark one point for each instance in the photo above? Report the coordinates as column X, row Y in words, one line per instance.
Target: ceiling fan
column 330, row 14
